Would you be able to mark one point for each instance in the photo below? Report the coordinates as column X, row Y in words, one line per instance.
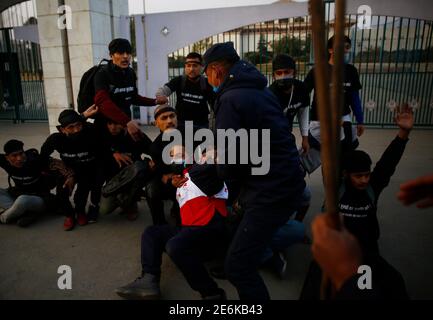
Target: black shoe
column 93, row 213
column 219, row 295
column 142, row 288
column 218, row 272
column 26, row 220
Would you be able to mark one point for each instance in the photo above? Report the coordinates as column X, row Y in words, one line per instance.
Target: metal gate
column 22, row 94
column 393, row 55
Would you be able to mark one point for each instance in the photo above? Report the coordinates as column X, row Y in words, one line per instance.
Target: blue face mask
column 215, row 89
column 347, row 57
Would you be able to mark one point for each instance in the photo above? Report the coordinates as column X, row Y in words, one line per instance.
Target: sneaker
column 68, row 224
column 26, row 220
column 81, row 219
column 142, row 288
column 219, row 295
column 92, row 214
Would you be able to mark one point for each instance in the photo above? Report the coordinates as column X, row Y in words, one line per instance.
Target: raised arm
column 387, row 164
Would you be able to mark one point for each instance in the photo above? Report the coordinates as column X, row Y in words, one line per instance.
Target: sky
column 152, row 6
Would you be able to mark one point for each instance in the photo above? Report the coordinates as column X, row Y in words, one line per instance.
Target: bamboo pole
column 329, row 109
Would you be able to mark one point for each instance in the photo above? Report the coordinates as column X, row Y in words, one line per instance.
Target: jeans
column 188, row 247
column 156, row 193
column 290, row 233
column 13, row 208
column 253, row 236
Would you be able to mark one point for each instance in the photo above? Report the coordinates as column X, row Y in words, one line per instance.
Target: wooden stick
column 337, row 98
column 329, row 117
column 329, row 110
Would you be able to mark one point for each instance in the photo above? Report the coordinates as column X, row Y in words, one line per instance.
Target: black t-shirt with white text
column 28, row 179
column 80, row 154
column 192, row 100
column 351, row 84
column 298, row 100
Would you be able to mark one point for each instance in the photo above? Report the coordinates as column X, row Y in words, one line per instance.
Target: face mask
column 284, row 82
column 347, row 57
column 177, row 166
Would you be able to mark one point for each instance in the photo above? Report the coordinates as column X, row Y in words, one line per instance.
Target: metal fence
column 22, row 95
column 393, row 55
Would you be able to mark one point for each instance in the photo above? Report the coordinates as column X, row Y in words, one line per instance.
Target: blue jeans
column 188, row 247
column 253, row 236
column 290, row 233
column 13, row 208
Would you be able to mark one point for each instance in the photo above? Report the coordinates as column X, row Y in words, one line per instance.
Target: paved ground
column 106, row 255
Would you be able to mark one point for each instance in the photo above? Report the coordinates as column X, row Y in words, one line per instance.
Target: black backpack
column 87, row 89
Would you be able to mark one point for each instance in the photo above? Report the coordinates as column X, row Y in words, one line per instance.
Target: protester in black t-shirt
column 116, row 89
column 32, row 178
column 352, row 102
column 291, row 94
column 160, row 187
column 193, row 93
column 125, row 152
column 357, row 202
column 82, row 150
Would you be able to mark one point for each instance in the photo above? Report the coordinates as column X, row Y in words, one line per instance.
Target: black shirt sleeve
column 205, row 176
column 354, row 77
column 174, row 83
column 303, row 94
column 309, row 81
column 49, row 146
column 387, row 164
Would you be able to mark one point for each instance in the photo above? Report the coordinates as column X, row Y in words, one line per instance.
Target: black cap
column 13, row 146
column 283, row 61
column 220, row 51
column 69, row 116
column 120, row 45
column 356, row 161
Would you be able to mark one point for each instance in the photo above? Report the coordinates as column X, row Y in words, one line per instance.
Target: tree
column 295, row 47
column 202, row 45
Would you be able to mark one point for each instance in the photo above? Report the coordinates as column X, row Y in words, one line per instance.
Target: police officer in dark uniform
column 244, row 101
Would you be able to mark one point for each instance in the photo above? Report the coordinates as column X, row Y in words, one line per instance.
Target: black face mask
column 284, row 84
